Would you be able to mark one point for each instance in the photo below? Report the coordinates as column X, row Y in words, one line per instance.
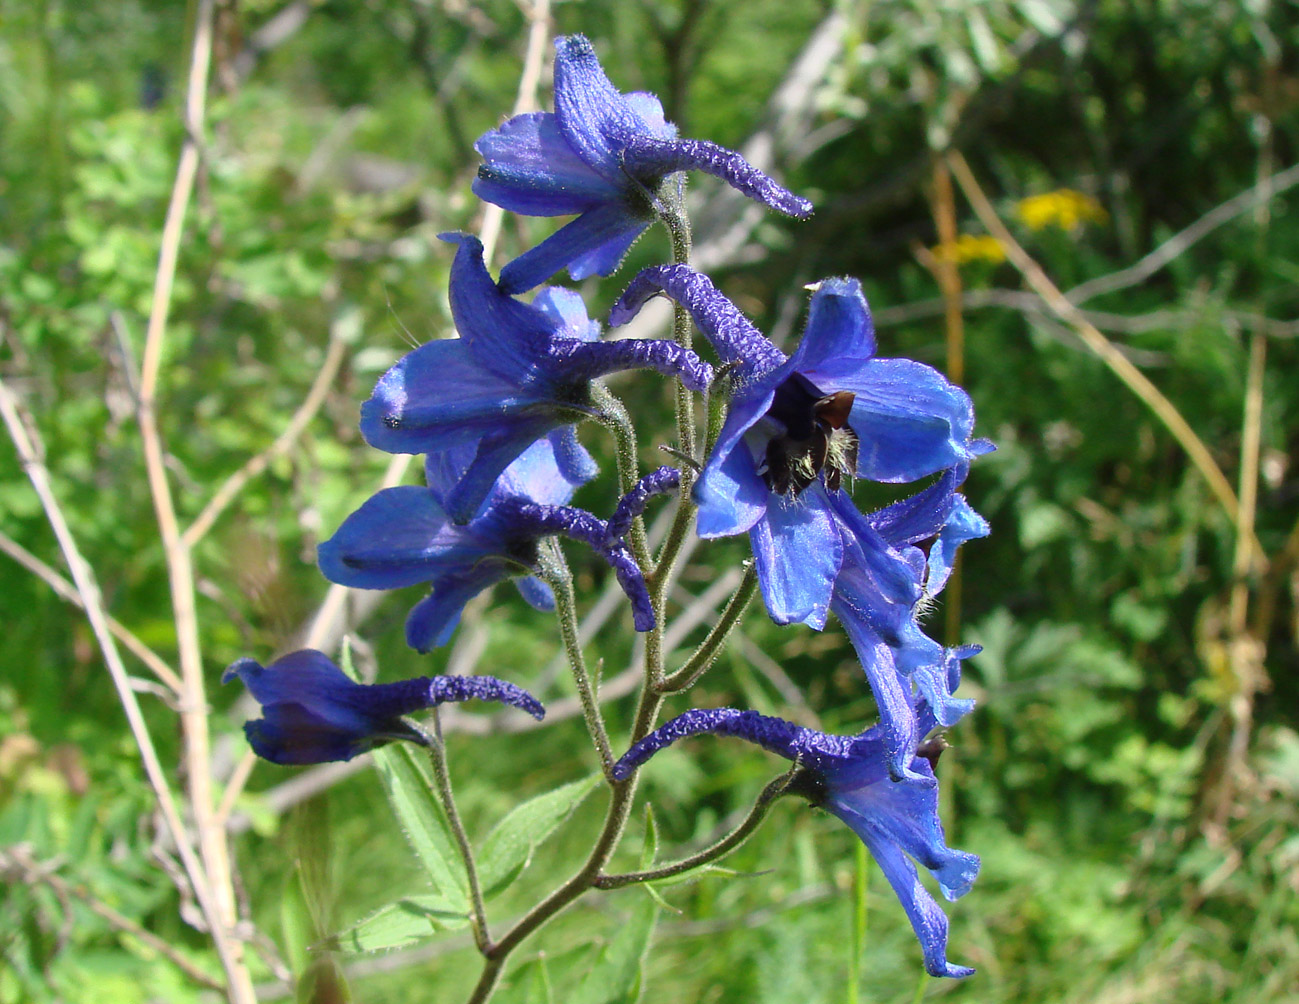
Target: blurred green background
column 1131, row 774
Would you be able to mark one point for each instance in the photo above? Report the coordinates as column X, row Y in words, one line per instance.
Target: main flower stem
column 622, row 793
column 678, row 227
column 615, row 821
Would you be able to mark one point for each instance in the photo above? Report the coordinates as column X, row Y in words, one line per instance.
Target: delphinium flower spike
column 517, row 372
column 849, row 777
column 604, row 156
column 312, row 712
column 403, row 536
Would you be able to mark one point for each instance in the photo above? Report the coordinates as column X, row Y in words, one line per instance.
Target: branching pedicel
column 494, row 411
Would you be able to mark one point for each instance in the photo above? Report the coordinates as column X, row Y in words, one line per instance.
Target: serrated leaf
column 410, row 790
column 618, row 976
column 400, row 924
column 509, row 847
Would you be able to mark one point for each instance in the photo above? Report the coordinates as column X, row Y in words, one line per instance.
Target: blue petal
column 922, row 515
column 962, row 524
column 905, row 814
column 290, row 734
column 539, row 475
column 593, row 244
column 399, row 537
column 536, row 593
column 927, row 919
column 934, row 681
column 730, row 493
column 595, row 119
column 439, row 396
column 496, row 451
column 898, row 729
column 887, row 570
column 839, row 337
column 504, row 335
column 798, row 551
column 566, row 311
column 433, row 619
column 291, row 677
column 910, row 421
column 531, row 169
column 652, row 157
column 576, row 466
column 649, row 110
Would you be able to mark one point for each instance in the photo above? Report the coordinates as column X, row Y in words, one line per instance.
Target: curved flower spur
column 403, row 536
column 312, row 712
column 517, row 372
column 848, row 776
column 604, row 156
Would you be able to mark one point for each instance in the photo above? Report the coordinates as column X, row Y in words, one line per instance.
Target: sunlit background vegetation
column 1131, row 774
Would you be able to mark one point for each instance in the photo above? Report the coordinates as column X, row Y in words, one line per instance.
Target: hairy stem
column 703, row 657
column 618, row 421
column 560, row 579
column 713, row 852
column 478, row 910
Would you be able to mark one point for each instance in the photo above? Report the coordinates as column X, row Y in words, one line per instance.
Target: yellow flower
column 1064, row 208
column 970, row 247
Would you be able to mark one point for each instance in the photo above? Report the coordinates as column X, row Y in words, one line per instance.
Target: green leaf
column 400, row 924
column 410, row 789
column 509, row 847
column 618, row 976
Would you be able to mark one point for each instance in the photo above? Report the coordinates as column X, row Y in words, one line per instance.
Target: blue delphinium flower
column 797, row 426
column 849, row 777
column 403, row 536
column 602, row 155
column 312, row 712
column 883, row 584
column 516, row 372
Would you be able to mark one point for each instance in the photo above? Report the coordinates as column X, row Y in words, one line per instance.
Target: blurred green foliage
column 1126, row 856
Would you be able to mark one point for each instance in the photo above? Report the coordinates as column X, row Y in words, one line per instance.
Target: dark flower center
column 817, row 437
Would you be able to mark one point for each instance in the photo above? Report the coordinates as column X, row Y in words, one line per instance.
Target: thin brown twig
column 525, row 100
column 213, row 847
column 29, row 452
column 254, row 466
column 33, row 873
column 1122, row 367
column 68, row 591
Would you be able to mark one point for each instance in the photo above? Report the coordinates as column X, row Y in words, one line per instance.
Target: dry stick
column 327, row 625
column 258, row 463
column 1133, row 378
column 1259, row 194
column 83, row 576
column 33, row 874
column 213, row 847
column 948, row 275
column 69, row 592
column 1245, row 653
